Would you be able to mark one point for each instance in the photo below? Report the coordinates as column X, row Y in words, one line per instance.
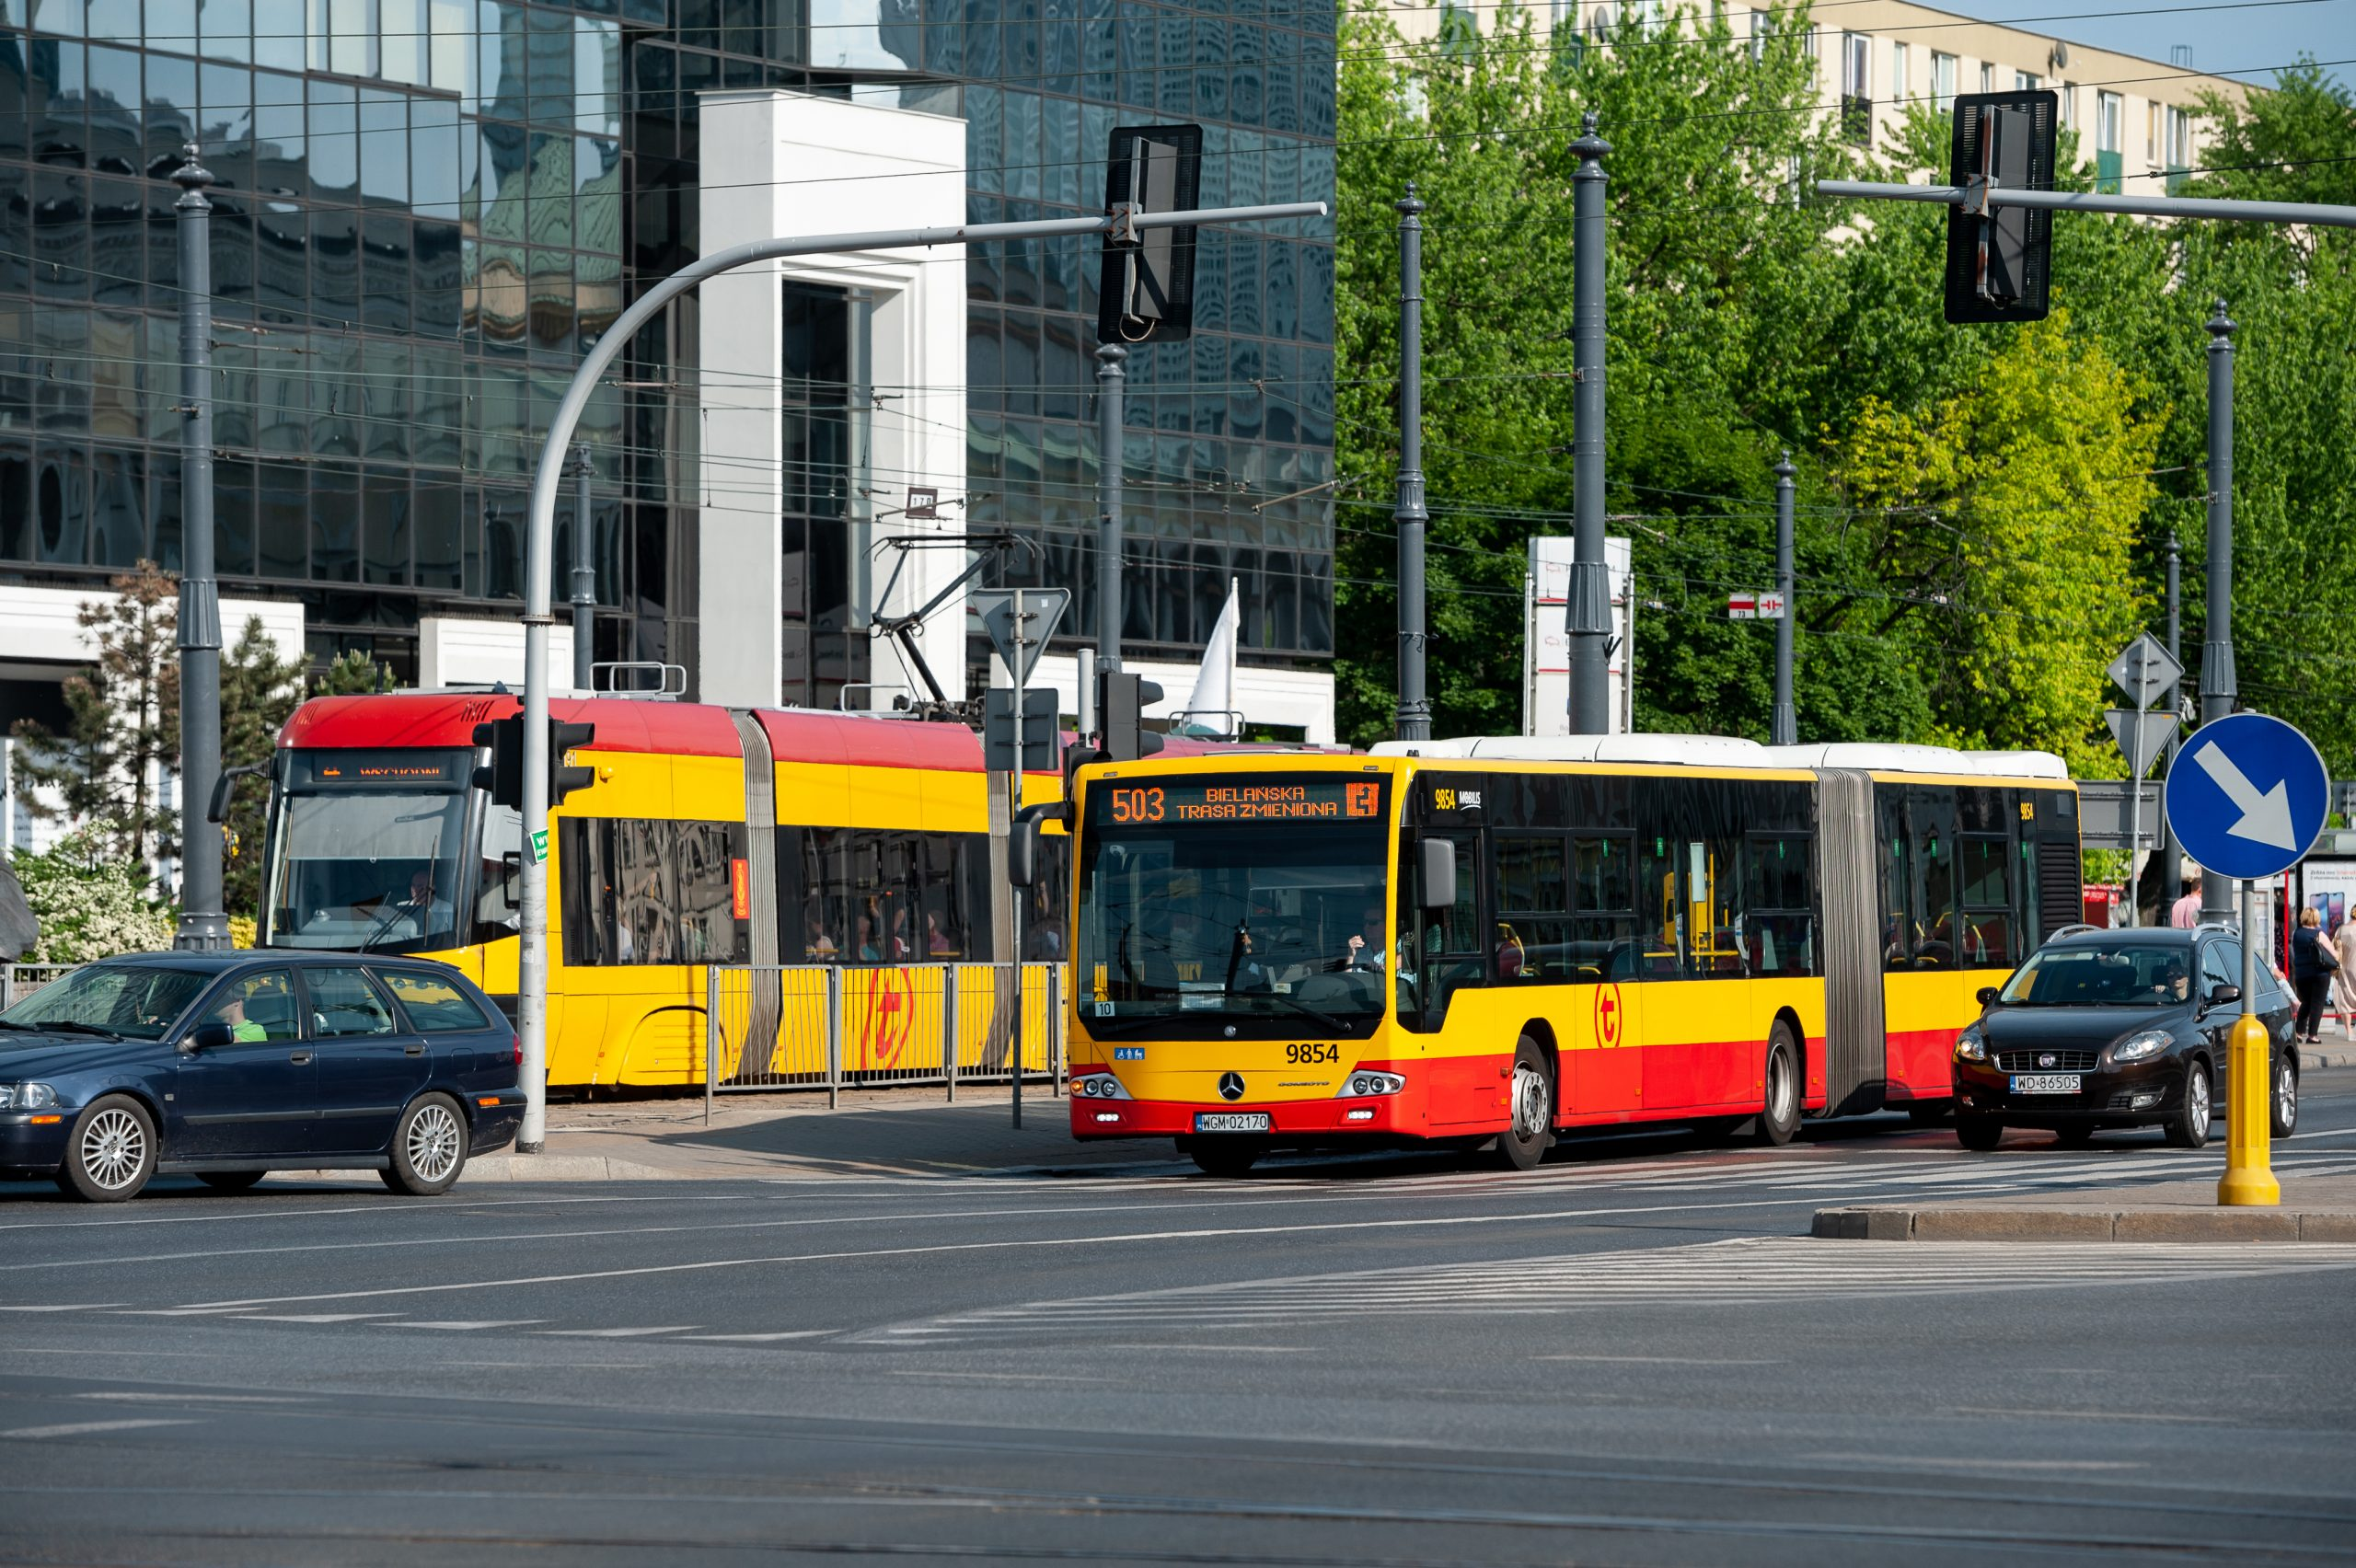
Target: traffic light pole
column 1110, row 385
column 2220, row 688
column 1782, row 727
column 1589, row 613
column 2171, row 852
column 1413, row 719
column 539, row 550
column 203, row 924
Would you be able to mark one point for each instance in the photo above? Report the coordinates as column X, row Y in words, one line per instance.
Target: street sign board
column 1742, row 605
column 1771, row 605
column 1042, row 609
column 924, row 502
column 1039, row 734
column 2144, row 670
column 2142, row 735
column 2109, row 817
column 2248, row 796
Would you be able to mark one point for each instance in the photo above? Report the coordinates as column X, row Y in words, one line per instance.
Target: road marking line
column 315, row 1316
column 206, row 1398
column 71, row 1307
column 764, row 1339
column 468, row 1325
column 80, row 1428
column 1664, row 1360
column 174, row 1311
column 617, row 1333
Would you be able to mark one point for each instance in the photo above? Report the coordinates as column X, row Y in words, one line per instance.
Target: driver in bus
column 1365, row 950
column 423, row 905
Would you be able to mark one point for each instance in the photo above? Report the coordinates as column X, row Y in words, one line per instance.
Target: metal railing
column 19, row 981
column 825, row 1026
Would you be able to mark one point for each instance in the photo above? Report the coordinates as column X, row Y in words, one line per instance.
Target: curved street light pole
column 532, row 962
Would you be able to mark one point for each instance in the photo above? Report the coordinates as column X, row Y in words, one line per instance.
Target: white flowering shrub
column 89, row 903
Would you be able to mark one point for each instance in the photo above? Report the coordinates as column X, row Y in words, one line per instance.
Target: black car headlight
column 2142, row 1045
column 1971, row 1045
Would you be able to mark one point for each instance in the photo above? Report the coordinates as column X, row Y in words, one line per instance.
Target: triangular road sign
column 1020, row 646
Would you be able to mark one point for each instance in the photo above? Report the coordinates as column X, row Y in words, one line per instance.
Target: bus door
column 1444, row 949
column 1925, row 995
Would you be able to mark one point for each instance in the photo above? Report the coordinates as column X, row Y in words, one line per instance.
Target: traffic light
column 1999, row 256
column 1146, row 292
column 1121, row 701
column 504, row 775
column 563, row 780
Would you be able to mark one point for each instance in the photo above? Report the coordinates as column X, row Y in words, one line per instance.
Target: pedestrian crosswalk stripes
column 1739, row 1273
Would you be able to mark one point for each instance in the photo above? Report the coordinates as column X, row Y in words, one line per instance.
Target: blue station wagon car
column 229, row 1064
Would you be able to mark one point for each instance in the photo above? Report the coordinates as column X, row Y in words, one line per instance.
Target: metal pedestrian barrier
column 825, row 1026
column 19, row 981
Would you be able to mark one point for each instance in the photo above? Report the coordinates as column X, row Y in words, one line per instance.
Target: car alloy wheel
column 433, row 1143
column 114, row 1148
column 2286, row 1099
column 2198, row 1111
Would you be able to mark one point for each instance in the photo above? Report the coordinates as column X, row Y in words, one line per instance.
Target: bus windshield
column 366, row 850
column 1210, row 906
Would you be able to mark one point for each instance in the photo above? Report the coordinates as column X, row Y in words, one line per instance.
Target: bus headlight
column 1099, row 1086
column 1361, row 1084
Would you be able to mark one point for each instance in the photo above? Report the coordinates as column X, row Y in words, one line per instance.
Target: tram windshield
column 367, row 849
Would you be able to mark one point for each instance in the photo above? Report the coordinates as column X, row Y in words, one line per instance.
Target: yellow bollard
column 2248, row 1181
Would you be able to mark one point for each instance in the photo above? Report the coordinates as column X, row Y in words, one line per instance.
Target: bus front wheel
column 1227, row 1156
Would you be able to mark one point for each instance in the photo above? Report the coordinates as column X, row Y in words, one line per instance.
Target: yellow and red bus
column 712, row 836
column 1503, row 940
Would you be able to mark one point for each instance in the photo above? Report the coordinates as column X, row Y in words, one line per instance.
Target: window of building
column 2110, row 115
column 1943, row 69
column 1900, row 61
column 2026, row 81
column 1760, row 22
column 1987, row 77
column 1856, row 66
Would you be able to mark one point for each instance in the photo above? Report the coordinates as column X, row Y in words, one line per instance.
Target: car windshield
column 1208, row 899
column 135, row 1001
column 2128, row 975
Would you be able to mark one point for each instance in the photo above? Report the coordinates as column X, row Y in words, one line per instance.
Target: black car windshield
column 1211, row 898
column 2126, row 974
column 135, row 1001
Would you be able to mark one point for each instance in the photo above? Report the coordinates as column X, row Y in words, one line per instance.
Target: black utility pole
column 1784, row 728
column 1415, row 717
column 584, row 574
column 203, row 923
column 1109, row 389
column 2171, row 852
column 1588, row 615
column 2218, row 686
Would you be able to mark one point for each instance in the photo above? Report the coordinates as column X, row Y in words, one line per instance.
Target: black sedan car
column 2119, row 1029
column 229, row 1065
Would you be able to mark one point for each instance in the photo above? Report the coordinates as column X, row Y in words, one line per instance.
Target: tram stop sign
column 2248, row 796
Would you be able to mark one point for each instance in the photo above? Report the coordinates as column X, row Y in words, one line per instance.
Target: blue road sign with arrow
column 2248, row 796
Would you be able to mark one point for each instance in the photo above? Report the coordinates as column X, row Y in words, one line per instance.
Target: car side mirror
column 209, row 1036
column 1987, row 996
column 1439, row 869
column 2221, row 993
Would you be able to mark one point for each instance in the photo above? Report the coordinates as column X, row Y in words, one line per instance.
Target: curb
column 2058, row 1224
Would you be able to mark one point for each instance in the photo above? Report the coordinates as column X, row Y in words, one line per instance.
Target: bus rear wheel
column 1225, row 1157
column 1779, row 1114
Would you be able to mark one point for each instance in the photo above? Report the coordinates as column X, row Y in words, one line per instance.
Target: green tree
column 123, row 727
column 353, row 673
column 259, row 692
column 2291, row 143
column 91, row 902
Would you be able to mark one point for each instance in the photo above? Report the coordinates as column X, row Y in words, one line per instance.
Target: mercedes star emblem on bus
column 1230, row 1086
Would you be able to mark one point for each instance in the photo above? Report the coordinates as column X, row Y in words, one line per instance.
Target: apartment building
column 2137, row 120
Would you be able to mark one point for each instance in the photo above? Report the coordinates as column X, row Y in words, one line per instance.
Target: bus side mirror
column 1022, row 854
column 1439, row 870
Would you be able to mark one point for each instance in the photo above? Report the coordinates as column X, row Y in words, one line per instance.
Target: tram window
column 1987, row 905
column 708, row 930
column 642, row 891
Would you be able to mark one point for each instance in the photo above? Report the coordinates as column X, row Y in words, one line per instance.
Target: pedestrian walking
column 2311, row 968
column 2186, row 913
column 2344, row 978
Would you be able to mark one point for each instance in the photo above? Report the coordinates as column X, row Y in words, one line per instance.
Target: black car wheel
column 1779, row 1116
column 1978, row 1133
column 229, row 1181
column 2189, row 1128
column 429, row 1148
column 111, row 1151
column 2286, row 1098
column 1224, row 1157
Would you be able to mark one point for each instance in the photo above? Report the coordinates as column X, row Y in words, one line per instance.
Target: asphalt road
column 1631, row 1355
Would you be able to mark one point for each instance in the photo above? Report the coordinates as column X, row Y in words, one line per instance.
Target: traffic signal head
column 1146, row 294
column 1121, row 702
column 1999, row 256
column 564, row 780
column 503, row 776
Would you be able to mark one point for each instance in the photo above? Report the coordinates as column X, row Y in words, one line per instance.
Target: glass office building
column 425, row 208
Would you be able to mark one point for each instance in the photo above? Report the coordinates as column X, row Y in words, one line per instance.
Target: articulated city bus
column 1501, row 940
column 712, row 836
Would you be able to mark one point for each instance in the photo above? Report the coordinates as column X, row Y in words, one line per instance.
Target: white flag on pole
column 1210, row 710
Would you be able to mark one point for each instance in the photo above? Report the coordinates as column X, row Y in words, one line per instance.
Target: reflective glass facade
column 425, row 208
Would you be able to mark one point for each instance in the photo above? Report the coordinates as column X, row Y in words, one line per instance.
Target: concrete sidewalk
column 2321, row 1209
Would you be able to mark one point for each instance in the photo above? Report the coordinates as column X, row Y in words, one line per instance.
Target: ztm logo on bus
column 1607, row 1015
